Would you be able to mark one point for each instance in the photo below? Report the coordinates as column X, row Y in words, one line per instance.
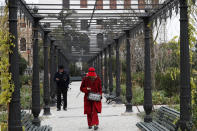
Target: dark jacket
column 64, row 79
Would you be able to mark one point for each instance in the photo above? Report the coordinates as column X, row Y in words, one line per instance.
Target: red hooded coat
column 95, row 86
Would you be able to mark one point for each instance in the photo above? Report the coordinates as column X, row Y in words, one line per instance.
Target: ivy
column 192, row 41
column 6, row 83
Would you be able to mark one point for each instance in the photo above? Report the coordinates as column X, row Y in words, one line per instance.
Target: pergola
column 72, row 32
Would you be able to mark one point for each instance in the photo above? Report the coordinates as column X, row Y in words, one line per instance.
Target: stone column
column 185, row 88
column 147, row 74
column 52, row 72
column 93, row 61
column 118, row 89
column 46, row 76
column 55, row 69
column 59, row 57
column 97, row 64
column 90, row 63
column 128, row 73
column 36, row 80
column 110, row 69
column 14, row 115
column 105, row 72
column 101, row 67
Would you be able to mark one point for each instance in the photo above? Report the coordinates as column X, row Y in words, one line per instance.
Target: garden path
column 112, row 118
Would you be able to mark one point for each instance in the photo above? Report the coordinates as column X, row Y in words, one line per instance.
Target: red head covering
column 91, row 72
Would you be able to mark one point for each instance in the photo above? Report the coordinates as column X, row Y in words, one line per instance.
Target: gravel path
column 112, row 118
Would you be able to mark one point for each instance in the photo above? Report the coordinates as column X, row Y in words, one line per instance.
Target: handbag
column 94, row 96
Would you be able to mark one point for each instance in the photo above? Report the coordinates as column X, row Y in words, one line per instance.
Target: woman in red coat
column 91, row 83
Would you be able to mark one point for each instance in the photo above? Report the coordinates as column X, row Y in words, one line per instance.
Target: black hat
column 60, row 67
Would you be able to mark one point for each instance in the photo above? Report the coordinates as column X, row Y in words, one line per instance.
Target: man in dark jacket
column 62, row 80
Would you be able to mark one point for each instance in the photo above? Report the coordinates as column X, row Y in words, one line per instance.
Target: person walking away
column 92, row 83
column 62, row 80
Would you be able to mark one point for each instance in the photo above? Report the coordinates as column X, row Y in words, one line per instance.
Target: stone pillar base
column 53, row 102
column 185, row 125
column 118, row 100
column 47, row 110
column 148, row 118
column 36, row 121
column 105, row 91
column 129, row 108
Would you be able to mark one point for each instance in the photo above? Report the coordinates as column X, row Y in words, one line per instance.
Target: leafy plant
column 138, row 96
column 138, row 79
column 4, row 127
column 194, row 103
column 168, row 81
column 26, row 80
column 3, row 116
column 6, row 84
column 26, row 97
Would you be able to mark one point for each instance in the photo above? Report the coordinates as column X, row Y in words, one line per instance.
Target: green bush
column 26, row 97
column 123, row 91
column 168, row 81
column 4, row 126
column 3, row 116
column 175, row 107
column 158, row 97
column 123, row 78
column 138, row 79
column 26, row 80
column 138, row 96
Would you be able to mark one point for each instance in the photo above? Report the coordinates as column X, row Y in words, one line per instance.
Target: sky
column 173, row 24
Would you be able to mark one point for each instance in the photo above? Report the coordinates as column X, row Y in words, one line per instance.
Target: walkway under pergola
column 74, row 33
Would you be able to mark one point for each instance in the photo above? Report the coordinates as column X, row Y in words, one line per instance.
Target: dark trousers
column 60, row 91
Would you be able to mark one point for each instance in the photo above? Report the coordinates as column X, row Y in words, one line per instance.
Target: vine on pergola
column 71, row 36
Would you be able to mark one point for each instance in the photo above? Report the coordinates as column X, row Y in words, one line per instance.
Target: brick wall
column 113, row 4
column 83, row 3
column 99, row 4
column 127, row 4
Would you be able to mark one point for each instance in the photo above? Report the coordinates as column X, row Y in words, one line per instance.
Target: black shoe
column 90, row 127
column 65, row 109
column 96, row 127
column 58, row 109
